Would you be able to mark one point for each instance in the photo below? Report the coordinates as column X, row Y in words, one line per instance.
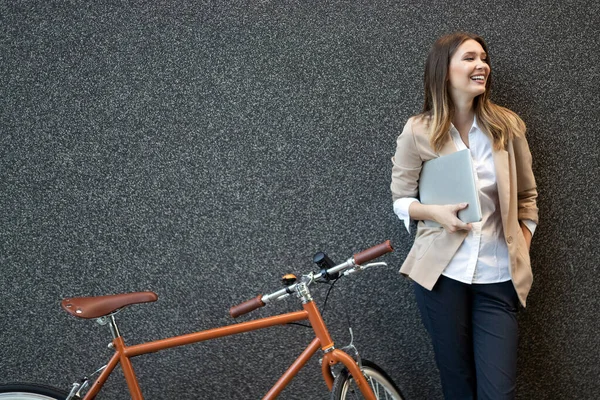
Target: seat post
column 114, row 329
column 112, row 323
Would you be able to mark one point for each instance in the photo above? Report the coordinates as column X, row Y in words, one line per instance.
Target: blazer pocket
column 522, row 246
column 523, row 261
column 424, row 241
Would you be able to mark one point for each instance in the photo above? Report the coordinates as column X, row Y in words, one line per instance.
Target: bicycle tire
column 30, row 391
column 344, row 386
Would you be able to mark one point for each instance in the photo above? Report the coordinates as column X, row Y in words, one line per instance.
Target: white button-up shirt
column 483, row 255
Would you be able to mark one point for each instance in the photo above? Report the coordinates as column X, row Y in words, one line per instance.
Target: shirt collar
column 474, row 126
column 460, row 145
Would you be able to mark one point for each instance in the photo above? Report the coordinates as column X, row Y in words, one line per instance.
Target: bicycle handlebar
column 247, row 306
column 356, row 260
column 373, row 252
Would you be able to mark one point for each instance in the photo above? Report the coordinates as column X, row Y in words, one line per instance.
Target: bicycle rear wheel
column 344, row 386
column 29, row 391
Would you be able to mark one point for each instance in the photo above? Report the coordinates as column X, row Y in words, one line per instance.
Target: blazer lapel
column 503, row 182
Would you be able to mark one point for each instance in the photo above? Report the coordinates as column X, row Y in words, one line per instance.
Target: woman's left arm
column 527, row 234
column 526, row 186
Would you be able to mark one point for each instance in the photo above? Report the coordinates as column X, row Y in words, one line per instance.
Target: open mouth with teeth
column 479, row 78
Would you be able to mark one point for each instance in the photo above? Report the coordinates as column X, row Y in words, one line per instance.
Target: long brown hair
column 501, row 123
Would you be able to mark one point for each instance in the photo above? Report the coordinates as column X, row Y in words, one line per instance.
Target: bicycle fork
column 332, row 355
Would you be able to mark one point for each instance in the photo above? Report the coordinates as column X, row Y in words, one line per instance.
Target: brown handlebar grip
column 373, row 252
column 246, row 307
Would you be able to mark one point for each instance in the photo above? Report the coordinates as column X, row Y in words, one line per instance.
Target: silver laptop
column 450, row 180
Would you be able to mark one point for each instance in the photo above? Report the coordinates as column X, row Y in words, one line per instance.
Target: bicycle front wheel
column 27, row 391
column 344, row 386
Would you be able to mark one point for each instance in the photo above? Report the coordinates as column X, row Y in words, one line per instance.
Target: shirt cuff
column 401, row 210
column 529, row 224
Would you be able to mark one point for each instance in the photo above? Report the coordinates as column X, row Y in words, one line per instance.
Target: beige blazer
column 434, row 247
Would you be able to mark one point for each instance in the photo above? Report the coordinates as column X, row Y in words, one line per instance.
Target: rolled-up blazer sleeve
column 407, row 165
column 526, row 186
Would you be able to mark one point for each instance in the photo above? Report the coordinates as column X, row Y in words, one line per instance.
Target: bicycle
column 357, row 377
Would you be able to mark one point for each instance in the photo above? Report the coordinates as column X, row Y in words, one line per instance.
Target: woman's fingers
column 447, row 216
column 461, row 206
column 463, row 226
column 456, row 224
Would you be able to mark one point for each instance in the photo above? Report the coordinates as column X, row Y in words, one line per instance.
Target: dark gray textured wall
column 201, row 150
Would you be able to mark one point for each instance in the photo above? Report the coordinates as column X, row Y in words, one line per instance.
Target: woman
column 468, row 278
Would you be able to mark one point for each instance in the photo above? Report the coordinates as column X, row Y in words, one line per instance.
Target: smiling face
column 468, row 71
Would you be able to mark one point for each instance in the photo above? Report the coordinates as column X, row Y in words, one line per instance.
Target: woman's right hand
column 445, row 215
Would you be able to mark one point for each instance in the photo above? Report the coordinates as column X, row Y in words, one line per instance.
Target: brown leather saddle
column 99, row 306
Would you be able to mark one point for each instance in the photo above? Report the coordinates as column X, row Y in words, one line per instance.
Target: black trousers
column 474, row 333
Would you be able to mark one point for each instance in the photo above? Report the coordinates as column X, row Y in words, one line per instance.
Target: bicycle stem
column 311, row 279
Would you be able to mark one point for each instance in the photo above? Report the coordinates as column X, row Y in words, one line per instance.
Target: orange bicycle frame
column 310, row 312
